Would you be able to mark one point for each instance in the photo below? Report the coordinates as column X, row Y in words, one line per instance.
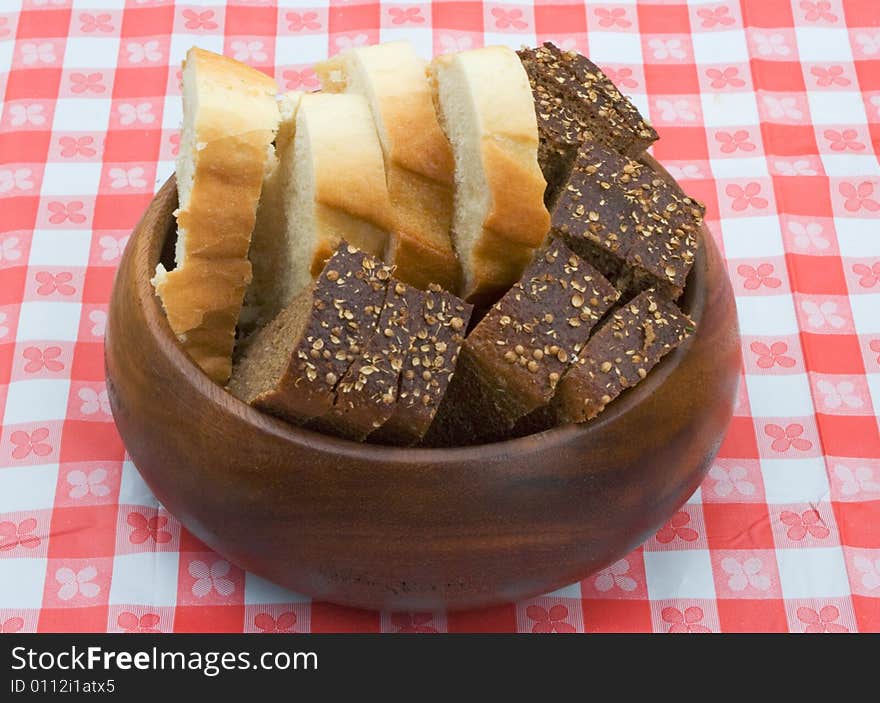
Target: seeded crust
column 619, row 355
column 343, row 307
column 575, row 101
column 366, row 395
column 620, row 214
column 513, row 359
column 438, row 333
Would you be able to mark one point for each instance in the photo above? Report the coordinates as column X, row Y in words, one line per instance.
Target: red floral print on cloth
column 858, row 197
column 614, row 17
column 874, row 346
column 754, row 278
column 683, row 622
column 731, row 142
column 174, row 140
column 87, row 83
column 297, row 22
column 822, row 621
column 833, row 75
column 305, row 78
column 552, row 620
column 715, row 16
column 283, row 623
column 144, row 529
column 402, row 15
column 843, row 140
column 815, row 11
column 787, row 437
column 869, row 275
column 12, row 624
column 772, row 355
column 95, row 23
column 38, row 359
column 745, row 197
column 18, row 535
column 802, row 524
column 728, row 77
column 677, row 527
column 200, row 20
column 26, row 443
column 413, row 622
column 66, row 211
column 144, row 624
column 50, row 283
column 505, row 19
column 622, row 77
column 71, row 146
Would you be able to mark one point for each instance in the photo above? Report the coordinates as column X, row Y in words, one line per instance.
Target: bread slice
column 438, row 330
column 619, row 355
column 511, row 362
column 292, row 366
column 366, row 395
column 229, row 121
column 333, row 187
column 486, row 110
column 418, row 160
column 269, row 253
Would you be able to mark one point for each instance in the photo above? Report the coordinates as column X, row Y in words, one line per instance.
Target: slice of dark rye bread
column 620, row 354
column 513, row 359
column 438, row 331
column 574, row 102
column 367, row 393
column 638, row 229
column 293, row 365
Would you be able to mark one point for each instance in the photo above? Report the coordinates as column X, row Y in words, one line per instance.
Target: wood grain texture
column 408, row 529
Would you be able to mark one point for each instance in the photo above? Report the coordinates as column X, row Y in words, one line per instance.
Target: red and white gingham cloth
column 768, row 111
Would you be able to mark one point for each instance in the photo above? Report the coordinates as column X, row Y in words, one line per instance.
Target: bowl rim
column 146, row 247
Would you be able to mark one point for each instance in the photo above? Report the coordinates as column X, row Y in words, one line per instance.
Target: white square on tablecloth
column 874, row 386
column 766, row 315
column 422, row 39
column 752, row 237
column 311, row 4
column 145, row 578
column 779, row 395
column 91, row 52
column 515, row 40
column 856, row 237
column 36, row 401
column 25, row 488
column 720, row 47
column 683, row 574
column 71, row 178
column 615, row 47
column 7, row 48
column 21, row 582
column 789, row 481
column 573, row 590
column 725, row 109
column 823, row 44
column 40, row 320
column 812, row 572
column 850, row 165
column 181, row 43
column 172, row 112
column 640, row 100
column 740, row 167
column 834, row 107
column 307, row 48
column 133, row 490
column 164, row 169
column 81, row 115
column 258, row 590
column 60, row 247
column 866, row 312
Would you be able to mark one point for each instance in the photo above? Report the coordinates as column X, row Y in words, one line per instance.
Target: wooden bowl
column 414, row 529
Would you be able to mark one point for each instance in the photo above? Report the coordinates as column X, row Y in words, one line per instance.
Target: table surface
column 768, row 111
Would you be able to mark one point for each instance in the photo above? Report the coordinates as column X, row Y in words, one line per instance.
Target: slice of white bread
column 418, row 160
column 229, row 121
column 334, row 189
column 486, row 109
column 269, row 252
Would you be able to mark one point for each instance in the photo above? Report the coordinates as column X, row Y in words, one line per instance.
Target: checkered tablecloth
column 768, row 111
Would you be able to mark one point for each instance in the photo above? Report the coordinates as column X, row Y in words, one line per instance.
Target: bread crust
column 234, row 126
column 418, row 160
